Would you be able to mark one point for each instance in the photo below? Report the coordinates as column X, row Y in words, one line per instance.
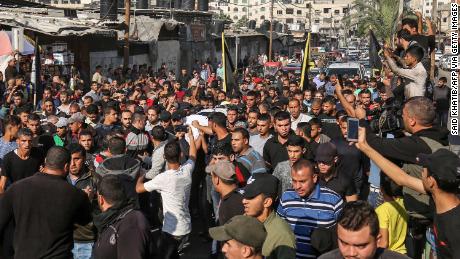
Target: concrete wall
column 110, row 59
column 169, row 53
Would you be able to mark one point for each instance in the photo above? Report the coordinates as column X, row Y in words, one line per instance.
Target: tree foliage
column 378, row 15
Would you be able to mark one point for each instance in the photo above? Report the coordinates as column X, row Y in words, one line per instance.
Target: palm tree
column 378, row 15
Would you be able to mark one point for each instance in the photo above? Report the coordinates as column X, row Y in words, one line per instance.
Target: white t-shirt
column 174, row 187
column 302, row 118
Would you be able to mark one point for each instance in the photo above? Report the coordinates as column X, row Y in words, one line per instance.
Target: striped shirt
column 321, row 209
column 252, row 161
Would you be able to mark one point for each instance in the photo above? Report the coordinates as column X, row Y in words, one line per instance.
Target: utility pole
column 309, row 15
column 271, row 32
column 434, row 16
column 127, row 22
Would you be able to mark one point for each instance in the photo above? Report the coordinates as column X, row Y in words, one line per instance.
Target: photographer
column 418, row 115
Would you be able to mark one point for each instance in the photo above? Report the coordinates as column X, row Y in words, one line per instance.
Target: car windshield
column 342, row 71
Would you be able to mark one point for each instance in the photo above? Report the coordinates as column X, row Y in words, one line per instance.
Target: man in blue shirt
column 308, row 206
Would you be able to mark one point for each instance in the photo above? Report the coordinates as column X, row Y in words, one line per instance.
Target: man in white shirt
column 415, row 73
column 296, row 116
column 174, row 186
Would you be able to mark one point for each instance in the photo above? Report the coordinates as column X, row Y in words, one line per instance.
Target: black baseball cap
column 165, row 116
column 261, row 183
column 443, row 164
column 326, row 152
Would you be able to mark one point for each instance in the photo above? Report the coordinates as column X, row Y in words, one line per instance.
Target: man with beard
column 296, row 115
column 352, row 161
column 123, row 232
column 153, row 120
column 126, row 117
column 327, row 117
column 331, row 176
column 259, row 201
column 253, row 115
column 275, row 148
column 315, row 110
column 82, row 177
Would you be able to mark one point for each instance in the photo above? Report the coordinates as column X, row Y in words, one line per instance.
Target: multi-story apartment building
column 323, row 16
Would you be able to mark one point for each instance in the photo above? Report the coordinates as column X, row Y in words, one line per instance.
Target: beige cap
column 223, row 169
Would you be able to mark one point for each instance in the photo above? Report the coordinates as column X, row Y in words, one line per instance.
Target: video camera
column 390, row 119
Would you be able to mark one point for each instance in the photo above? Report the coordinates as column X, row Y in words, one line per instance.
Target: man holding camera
column 418, row 115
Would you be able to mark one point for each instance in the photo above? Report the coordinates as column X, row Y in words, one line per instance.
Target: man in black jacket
column 418, row 116
column 45, row 206
column 123, row 232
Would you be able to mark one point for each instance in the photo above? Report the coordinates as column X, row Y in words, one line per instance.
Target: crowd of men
column 266, row 168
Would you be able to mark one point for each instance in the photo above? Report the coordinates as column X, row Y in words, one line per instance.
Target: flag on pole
column 375, row 62
column 305, row 64
column 228, row 83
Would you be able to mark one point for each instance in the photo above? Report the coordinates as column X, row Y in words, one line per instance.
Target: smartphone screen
column 352, row 129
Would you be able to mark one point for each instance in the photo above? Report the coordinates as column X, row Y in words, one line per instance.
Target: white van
column 349, row 68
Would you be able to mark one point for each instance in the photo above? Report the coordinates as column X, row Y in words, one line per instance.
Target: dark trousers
column 416, row 238
column 441, row 118
column 168, row 245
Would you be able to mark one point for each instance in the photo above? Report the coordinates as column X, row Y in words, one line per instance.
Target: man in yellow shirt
column 392, row 217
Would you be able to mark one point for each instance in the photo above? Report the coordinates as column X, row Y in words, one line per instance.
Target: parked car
column 445, row 60
column 348, row 68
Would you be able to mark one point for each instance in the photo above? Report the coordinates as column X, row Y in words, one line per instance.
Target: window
column 444, row 19
column 262, row 9
column 427, row 4
column 337, row 11
column 427, row 11
column 244, row 9
column 345, row 10
column 326, row 10
column 289, row 20
column 289, row 11
column 262, row 17
column 279, row 12
column 235, row 9
column 316, row 21
column 235, row 1
column 299, row 12
column 235, row 17
column 244, row 1
column 262, row 1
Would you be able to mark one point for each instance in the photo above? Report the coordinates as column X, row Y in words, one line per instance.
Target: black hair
column 295, row 141
column 85, row 132
column 282, row 115
column 111, row 188
column 219, row 119
column 416, row 51
column 33, row 117
column 76, row 148
column 172, row 152
column 12, row 120
column 358, row 214
column 57, row 158
column 315, row 121
column 24, row 132
column 117, row 145
column 158, row 133
column 329, row 99
column 92, row 109
column 222, row 149
column 404, row 34
column 410, row 22
column 264, row 117
column 366, row 91
column 244, row 132
column 389, row 187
